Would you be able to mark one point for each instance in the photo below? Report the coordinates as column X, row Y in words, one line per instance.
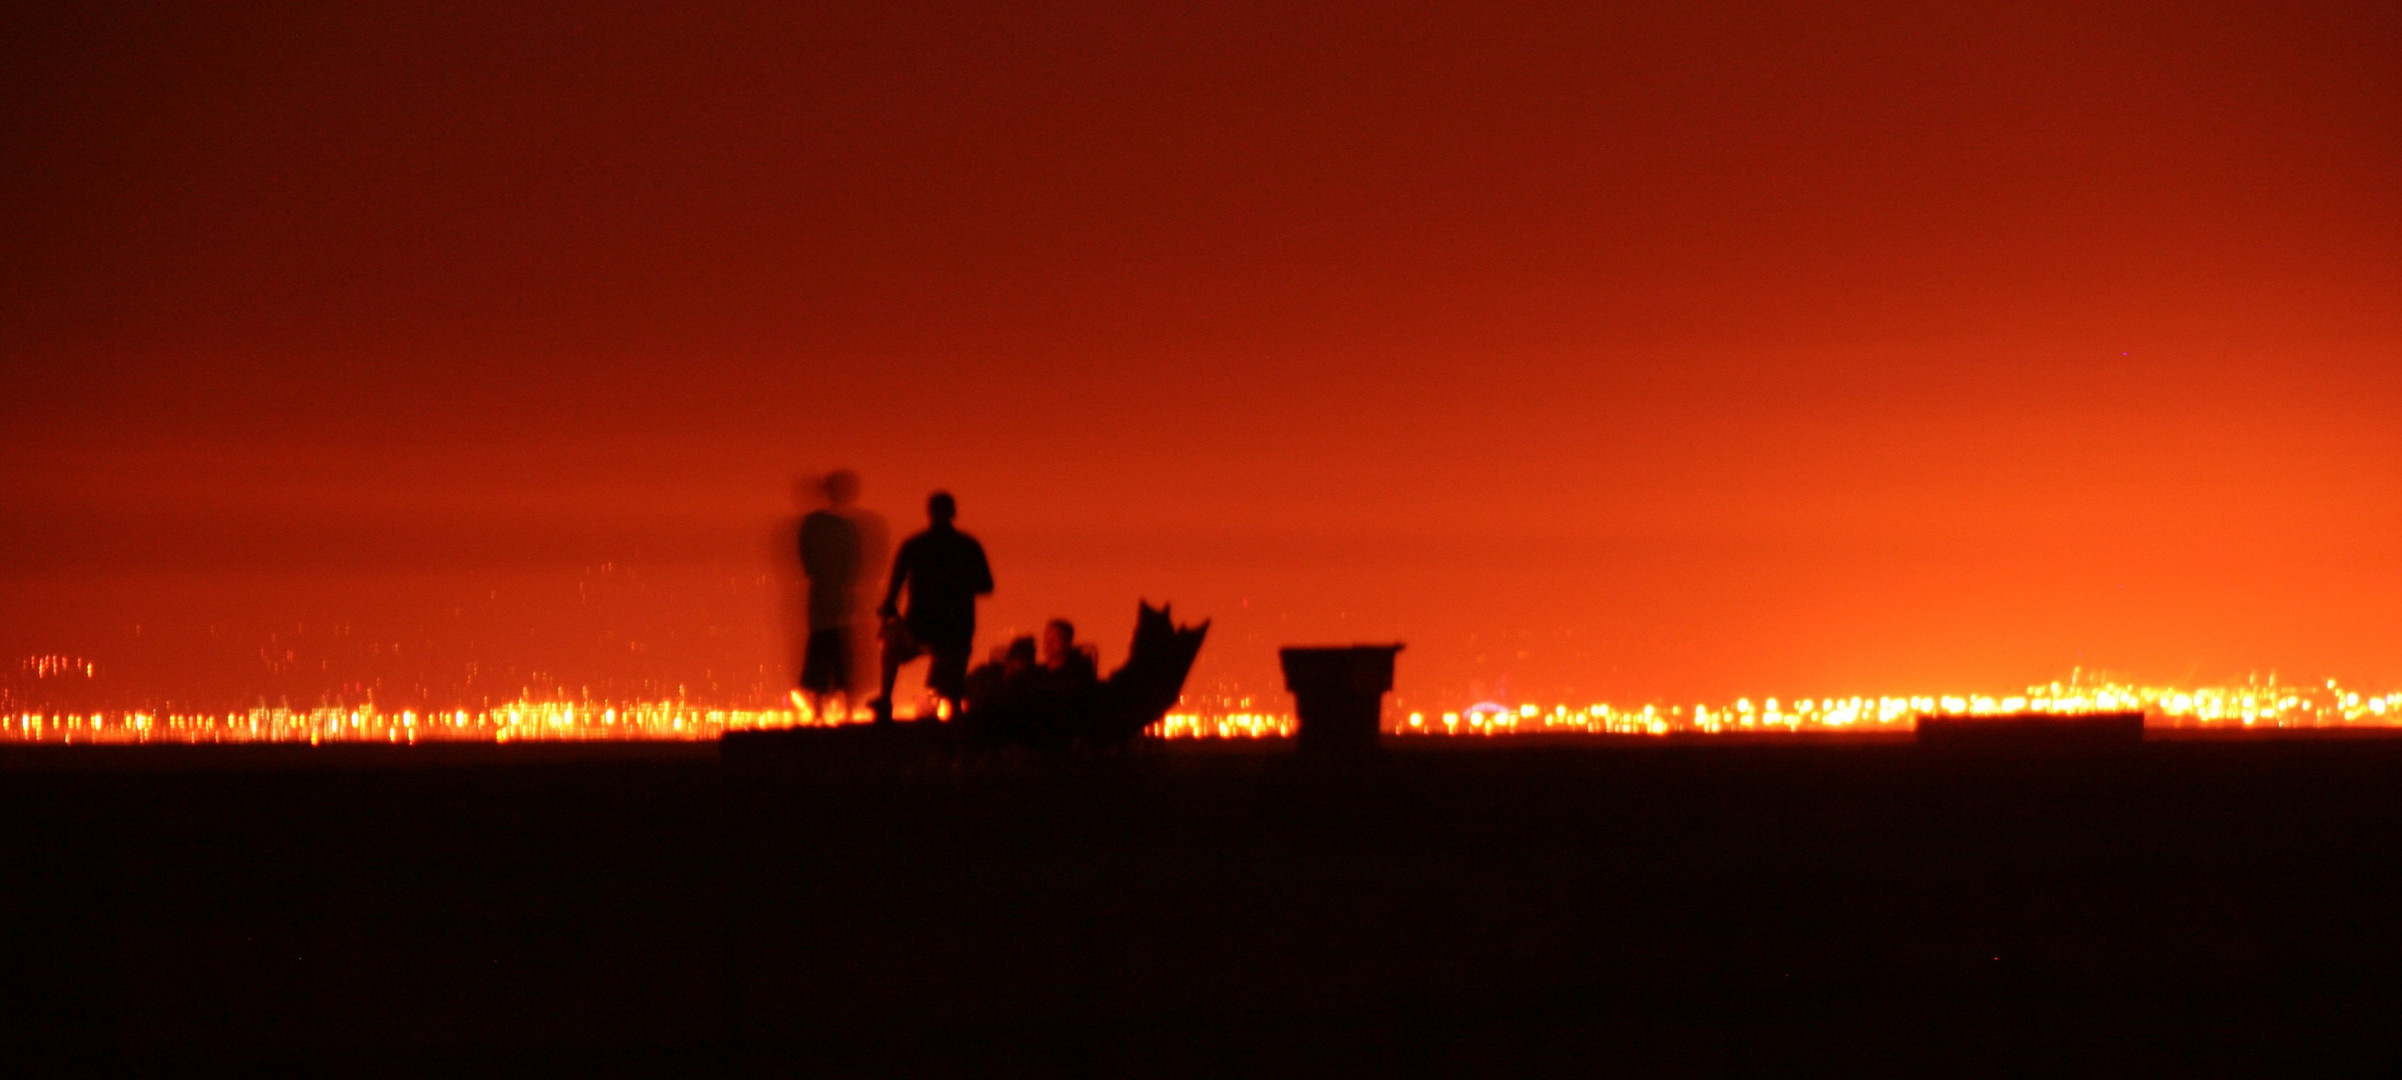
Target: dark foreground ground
column 2187, row 909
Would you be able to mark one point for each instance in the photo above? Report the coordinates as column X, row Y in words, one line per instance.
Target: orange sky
column 1699, row 351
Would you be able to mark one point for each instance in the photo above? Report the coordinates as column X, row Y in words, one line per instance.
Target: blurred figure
column 1004, row 671
column 944, row 571
column 1016, row 659
column 836, row 541
column 875, row 553
column 1066, row 662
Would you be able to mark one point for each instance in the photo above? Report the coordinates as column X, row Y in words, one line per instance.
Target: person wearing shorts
column 943, row 571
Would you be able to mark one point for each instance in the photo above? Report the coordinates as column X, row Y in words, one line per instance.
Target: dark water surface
column 847, row 908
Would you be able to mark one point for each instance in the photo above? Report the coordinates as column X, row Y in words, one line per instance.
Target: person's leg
column 948, row 675
column 825, row 672
column 891, row 673
column 898, row 649
column 842, row 684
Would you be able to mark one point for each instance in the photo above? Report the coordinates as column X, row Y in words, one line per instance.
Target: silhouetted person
column 833, row 554
column 944, row 572
column 1002, row 674
column 1015, row 659
column 1067, row 663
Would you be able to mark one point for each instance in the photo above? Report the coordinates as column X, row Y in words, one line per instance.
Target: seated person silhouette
column 1006, row 670
column 1038, row 700
column 943, row 571
column 1067, row 663
column 1016, row 660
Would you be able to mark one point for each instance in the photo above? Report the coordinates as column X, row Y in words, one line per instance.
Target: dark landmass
column 869, row 907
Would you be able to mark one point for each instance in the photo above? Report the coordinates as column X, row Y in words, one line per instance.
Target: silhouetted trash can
column 1339, row 693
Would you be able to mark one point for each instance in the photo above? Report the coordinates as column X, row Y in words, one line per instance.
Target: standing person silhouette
column 944, row 571
column 833, row 554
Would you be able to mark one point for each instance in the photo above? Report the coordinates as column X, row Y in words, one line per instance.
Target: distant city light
column 2328, row 705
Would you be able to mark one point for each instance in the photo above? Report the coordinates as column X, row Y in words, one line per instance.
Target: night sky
column 432, row 352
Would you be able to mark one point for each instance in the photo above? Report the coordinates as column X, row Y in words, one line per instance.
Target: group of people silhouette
column 927, row 610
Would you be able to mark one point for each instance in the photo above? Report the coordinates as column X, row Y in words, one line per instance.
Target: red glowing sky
column 1691, row 350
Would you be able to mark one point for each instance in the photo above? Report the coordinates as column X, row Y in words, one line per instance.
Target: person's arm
column 983, row 573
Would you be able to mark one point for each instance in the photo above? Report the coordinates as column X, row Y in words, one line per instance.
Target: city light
column 2272, row 706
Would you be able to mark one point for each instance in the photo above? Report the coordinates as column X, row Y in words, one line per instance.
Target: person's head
column 1020, row 655
column 1059, row 638
column 941, row 508
column 842, row 487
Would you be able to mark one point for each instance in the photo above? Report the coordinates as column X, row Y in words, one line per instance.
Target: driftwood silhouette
column 1045, row 714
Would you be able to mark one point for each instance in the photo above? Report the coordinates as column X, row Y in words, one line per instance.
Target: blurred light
column 528, row 718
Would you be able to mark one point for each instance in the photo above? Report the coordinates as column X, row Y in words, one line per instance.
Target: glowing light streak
column 2282, row 707
column 2261, row 707
column 1236, row 725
